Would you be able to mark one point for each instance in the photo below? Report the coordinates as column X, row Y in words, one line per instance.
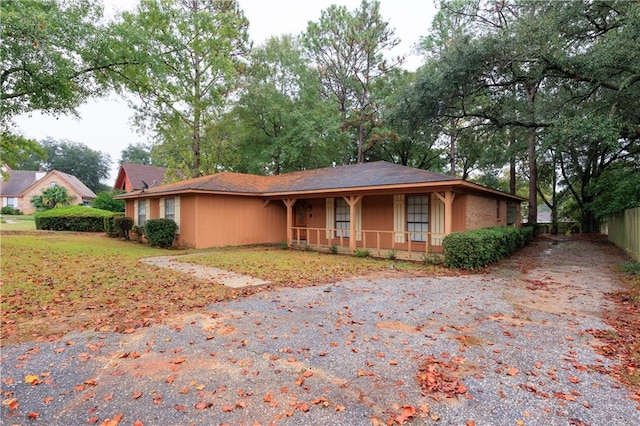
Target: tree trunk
column 532, row 216
column 452, row 155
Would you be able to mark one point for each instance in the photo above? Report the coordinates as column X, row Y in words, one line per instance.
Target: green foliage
column 631, row 268
column 362, row 253
column 189, row 56
column 284, row 245
column 139, row 153
column 348, row 49
column 77, row 159
column 110, row 227
column 160, row 232
column 616, row 190
column 392, row 255
column 105, row 201
column 75, row 218
column 10, row 211
column 333, row 249
column 123, row 225
column 432, row 259
column 481, row 247
column 52, row 197
column 54, row 55
column 16, row 150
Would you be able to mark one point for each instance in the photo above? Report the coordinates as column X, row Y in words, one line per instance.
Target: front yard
column 53, row 283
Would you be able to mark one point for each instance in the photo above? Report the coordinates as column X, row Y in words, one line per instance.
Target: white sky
column 105, row 123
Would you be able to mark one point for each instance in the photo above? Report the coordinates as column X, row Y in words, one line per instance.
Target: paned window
column 343, row 218
column 142, row 212
column 511, row 213
column 418, row 217
column 169, row 209
column 12, row 202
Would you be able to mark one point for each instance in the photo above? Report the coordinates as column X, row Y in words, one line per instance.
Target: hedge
column 481, row 247
column 110, row 227
column 160, row 232
column 75, row 218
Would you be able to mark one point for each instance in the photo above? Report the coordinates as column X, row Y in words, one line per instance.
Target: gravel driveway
column 504, row 348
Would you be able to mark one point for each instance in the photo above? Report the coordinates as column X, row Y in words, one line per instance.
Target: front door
column 300, row 220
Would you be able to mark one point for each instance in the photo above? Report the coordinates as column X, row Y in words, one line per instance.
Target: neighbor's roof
column 19, row 180
column 80, row 187
column 137, row 173
column 366, row 175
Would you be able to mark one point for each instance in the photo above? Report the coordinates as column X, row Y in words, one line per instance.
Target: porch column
column 289, row 202
column 447, row 198
column 352, row 201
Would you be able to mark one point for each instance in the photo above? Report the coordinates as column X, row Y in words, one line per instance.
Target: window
column 142, row 212
column 343, row 220
column 53, row 184
column 418, row 216
column 511, row 213
column 169, row 209
column 12, row 202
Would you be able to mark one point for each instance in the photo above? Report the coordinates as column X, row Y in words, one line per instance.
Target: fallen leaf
column 31, row 379
column 136, row 395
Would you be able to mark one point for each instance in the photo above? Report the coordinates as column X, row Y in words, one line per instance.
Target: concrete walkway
column 227, row 278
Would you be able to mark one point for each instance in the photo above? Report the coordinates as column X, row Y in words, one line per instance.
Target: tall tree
column 348, row 50
column 192, row 53
column 138, row 153
column 79, row 160
column 20, row 153
column 284, row 124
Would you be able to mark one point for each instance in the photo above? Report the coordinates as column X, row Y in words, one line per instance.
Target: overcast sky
column 105, row 124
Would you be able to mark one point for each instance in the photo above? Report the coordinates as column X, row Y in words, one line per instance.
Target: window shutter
column 437, row 221
column 162, row 208
column 398, row 218
column 176, row 213
column 147, row 209
column 330, row 216
column 135, row 212
column 359, row 221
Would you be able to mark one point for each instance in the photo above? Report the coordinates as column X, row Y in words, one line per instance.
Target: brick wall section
column 482, row 212
column 44, row 183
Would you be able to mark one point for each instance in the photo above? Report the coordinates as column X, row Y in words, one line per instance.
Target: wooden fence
column 624, row 231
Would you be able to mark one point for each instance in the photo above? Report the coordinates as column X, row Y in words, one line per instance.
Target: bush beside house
column 481, row 247
column 160, row 232
column 76, row 218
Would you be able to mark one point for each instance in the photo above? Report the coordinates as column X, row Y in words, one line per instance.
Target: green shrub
column 333, row 249
column 10, row 211
column 392, row 255
column 432, row 259
column 110, row 227
column 104, row 201
column 123, row 225
column 160, row 232
column 481, row 247
column 138, row 231
column 362, row 253
column 76, row 218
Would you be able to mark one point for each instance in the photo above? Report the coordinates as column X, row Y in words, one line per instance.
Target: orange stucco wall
column 220, row 220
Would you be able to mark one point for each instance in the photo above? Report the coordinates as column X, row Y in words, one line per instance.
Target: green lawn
column 17, row 223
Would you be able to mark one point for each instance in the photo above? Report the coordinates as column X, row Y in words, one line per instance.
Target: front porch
column 379, row 243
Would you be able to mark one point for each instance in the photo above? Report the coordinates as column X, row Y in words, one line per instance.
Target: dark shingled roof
column 19, row 180
column 77, row 185
column 152, row 175
column 378, row 173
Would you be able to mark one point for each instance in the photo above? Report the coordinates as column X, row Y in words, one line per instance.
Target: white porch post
column 352, row 201
column 289, row 202
column 447, row 198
